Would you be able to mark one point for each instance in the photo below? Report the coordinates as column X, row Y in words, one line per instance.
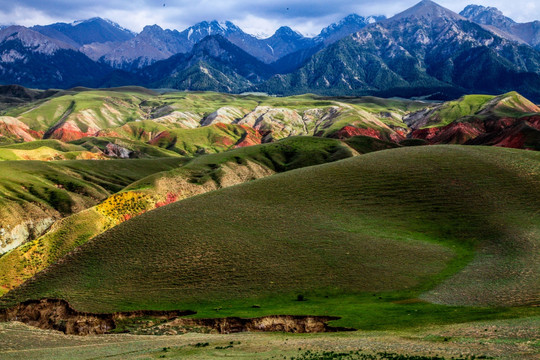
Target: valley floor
column 500, row 339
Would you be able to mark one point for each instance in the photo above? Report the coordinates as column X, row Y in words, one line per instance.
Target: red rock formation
column 505, row 132
column 350, row 131
column 13, row 128
column 69, row 131
column 252, row 137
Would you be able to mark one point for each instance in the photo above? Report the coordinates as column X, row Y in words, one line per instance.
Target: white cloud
column 25, row 16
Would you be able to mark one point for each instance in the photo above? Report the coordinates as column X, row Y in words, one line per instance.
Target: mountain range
column 424, row 48
column 528, row 32
column 426, row 51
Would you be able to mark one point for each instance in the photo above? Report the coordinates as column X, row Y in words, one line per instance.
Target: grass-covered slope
column 77, row 113
column 471, row 107
column 88, row 148
column 508, row 120
column 188, row 123
column 88, row 111
column 48, row 150
column 200, row 175
column 361, row 238
column 280, row 156
column 201, row 140
column 33, row 194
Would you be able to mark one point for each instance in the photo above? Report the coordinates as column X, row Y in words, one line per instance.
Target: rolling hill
column 34, row 194
column 137, row 122
column 77, row 114
column 507, row 120
column 362, row 238
column 175, row 120
column 199, row 175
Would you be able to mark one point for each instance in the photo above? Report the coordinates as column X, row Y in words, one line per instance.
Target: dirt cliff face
column 271, row 323
column 56, row 314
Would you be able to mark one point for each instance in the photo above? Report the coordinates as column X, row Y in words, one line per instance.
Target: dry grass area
column 506, row 339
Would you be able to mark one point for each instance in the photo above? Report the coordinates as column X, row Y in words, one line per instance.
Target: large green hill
column 171, row 182
column 361, row 238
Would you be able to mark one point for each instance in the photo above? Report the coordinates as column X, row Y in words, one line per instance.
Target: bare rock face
column 493, row 18
column 224, row 115
column 32, row 39
column 117, row 151
column 69, row 131
column 12, row 237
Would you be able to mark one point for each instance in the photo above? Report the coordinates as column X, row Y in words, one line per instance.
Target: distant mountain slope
column 422, row 51
column 527, row 32
column 213, row 64
column 347, row 26
column 154, row 44
column 426, row 51
column 283, row 42
column 149, row 46
column 31, row 59
column 79, row 33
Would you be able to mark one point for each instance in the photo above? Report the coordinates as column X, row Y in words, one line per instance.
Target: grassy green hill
column 88, row 148
column 204, row 122
column 470, row 107
column 47, row 150
column 201, row 140
column 199, row 175
column 71, row 115
column 33, row 194
column 361, row 238
column 96, row 109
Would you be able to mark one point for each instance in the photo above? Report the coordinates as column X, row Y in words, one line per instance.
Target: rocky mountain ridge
column 426, row 51
column 527, row 32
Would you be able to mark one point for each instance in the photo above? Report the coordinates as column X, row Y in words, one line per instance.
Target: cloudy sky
column 253, row 16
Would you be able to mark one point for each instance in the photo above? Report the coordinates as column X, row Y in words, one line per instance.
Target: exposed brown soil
column 271, row 323
column 57, row 314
